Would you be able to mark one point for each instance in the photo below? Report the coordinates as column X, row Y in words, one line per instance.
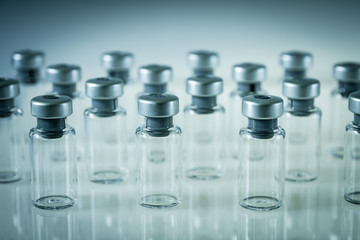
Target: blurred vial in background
column 248, row 78
column 296, row 63
column 158, row 152
column 348, row 76
column 301, row 122
column 203, row 62
column 204, row 129
column 106, row 132
column 352, row 152
column 261, row 154
column 11, row 138
column 53, row 153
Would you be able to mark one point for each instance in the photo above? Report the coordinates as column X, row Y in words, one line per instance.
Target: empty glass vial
column 352, row 152
column 11, row 138
column 155, row 78
column 261, row 154
column 296, row 63
column 106, row 132
column 117, row 64
column 204, row 129
column 203, row 62
column 248, row 78
column 158, row 152
column 53, row 153
column 302, row 124
column 348, row 76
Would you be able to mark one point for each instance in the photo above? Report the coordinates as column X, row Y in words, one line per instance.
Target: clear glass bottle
column 352, row 152
column 53, row 153
column 106, row 132
column 302, row 120
column 203, row 62
column 204, row 134
column 295, row 63
column 248, row 77
column 261, row 154
column 11, row 138
column 348, row 76
column 158, row 152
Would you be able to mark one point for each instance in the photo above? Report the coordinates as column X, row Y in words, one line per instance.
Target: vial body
column 205, row 142
column 303, row 151
column 158, row 156
column 261, row 169
column 352, row 164
column 12, row 145
column 53, row 173
column 106, row 136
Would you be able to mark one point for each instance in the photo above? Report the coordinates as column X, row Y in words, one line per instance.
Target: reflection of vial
column 203, row 62
column 53, row 153
column 352, row 152
column 11, row 139
column 158, row 152
column 155, row 78
column 302, row 124
column 204, row 126
column 261, row 182
column 348, row 76
column 296, row 63
column 248, row 77
column 106, row 134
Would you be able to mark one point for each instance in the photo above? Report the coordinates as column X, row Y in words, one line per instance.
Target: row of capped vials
column 161, row 161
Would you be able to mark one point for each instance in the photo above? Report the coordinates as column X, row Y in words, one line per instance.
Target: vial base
column 298, row 175
column 159, row 201
column 337, row 152
column 9, row 177
column 261, row 203
column 353, row 197
column 109, row 177
column 54, row 202
column 204, row 173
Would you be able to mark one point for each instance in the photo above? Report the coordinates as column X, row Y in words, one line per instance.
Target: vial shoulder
column 144, row 132
column 289, row 112
column 337, row 94
column 246, row 132
column 36, row 133
column 352, row 128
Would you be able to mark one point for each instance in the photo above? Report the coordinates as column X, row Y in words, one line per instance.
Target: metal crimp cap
column 306, row 88
column 203, row 59
column 354, row 102
column 104, row 88
column 9, row 88
column 204, row 86
column 116, row 60
column 154, row 74
column 262, row 107
column 296, row 60
column 249, row 73
column 51, row 106
column 347, row 71
column 63, row 73
column 158, row 105
column 27, row 59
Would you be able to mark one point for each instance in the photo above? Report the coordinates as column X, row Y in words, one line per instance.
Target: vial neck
column 262, row 129
column 51, row 128
column 28, row 76
column 301, row 106
column 65, row 89
column 203, row 104
column 357, row 119
column 244, row 87
column 5, row 106
column 149, row 88
column 104, row 105
column 159, row 127
column 348, row 87
column 199, row 71
column 122, row 74
column 295, row 74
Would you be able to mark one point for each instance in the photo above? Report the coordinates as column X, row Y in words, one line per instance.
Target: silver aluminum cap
column 158, row 105
column 354, row 102
column 202, row 59
column 27, row 59
column 51, row 106
column 262, row 107
column 117, row 60
column 155, row 74
column 104, row 88
column 306, row 88
column 347, row 71
column 204, row 86
column 296, row 60
column 9, row 88
column 249, row 72
column 63, row 73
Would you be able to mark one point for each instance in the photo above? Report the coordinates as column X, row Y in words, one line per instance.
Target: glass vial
column 158, row 152
column 352, row 152
column 155, row 78
column 248, row 78
column 106, row 132
column 11, row 138
column 53, row 153
column 348, row 76
column 302, row 121
column 204, row 129
column 296, row 63
column 261, row 154
column 203, row 62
